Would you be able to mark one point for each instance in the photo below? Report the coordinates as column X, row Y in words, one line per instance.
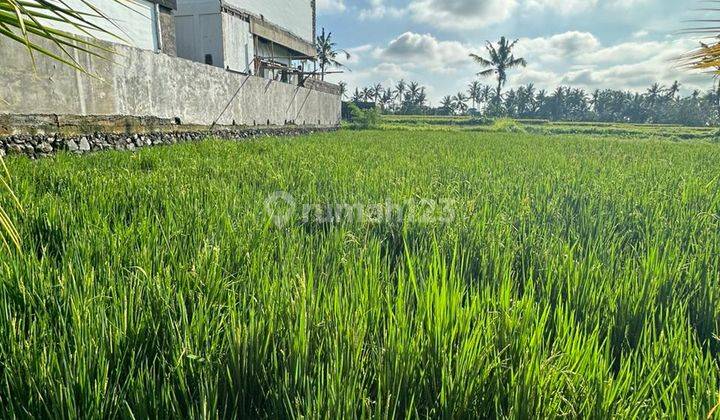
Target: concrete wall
column 198, row 28
column 167, row 31
column 239, row 47
column 143, row 83
column 295, row 16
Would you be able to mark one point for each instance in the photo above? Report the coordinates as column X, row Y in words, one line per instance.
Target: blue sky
column 625, row 44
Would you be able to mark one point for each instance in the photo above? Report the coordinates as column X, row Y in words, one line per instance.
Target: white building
column 267, row 38
column 145, row 24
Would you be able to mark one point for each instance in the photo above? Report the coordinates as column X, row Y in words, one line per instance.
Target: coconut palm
column 413, row 90
column 460, row 103
column 654, row 93
column 673, row 90
column 367, row 94
column 343, row 89
column 377, row 92
column 400, row 90
column 485, row 94
column 447, row 105
column 474, row 91
column 327, row 54
column 500, row 60
column 387, row 99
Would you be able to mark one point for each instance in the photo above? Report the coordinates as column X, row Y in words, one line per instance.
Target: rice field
column 472, row 274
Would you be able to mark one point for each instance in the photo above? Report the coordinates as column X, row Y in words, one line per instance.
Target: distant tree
column 327, row 54
column 387, row 98
column 400, row 88
column 367, row 94
column 447, row 105
column 377, row 92
column 500, row 60
column 413, row 90
column 414, row 99
column 357, row 96
column 654, row 93
column 474, row 92
column 673, row 91
column 460, row 103
column 527, row 105
column 485, row 94
column 343, row 89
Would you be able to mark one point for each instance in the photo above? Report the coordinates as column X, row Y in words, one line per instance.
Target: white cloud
column 461, row 14
column 378, row 10
column 330, row 6
column 558, row 47
column 571, row 7
column 424, row 51
column 563, row 7
column 628, row 65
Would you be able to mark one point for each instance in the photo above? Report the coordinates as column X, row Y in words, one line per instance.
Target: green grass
column 580, row 277
column 548, row 128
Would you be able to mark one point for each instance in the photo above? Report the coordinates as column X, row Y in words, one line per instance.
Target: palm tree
column 357, row 96
column 327, row 54
column 343, row 89
column 413, row 89
column 654, row 93
column 386, row 99
column 475, row 90
column 673, row 90
column 367, row 94
column 447, row 105
column 501, row 59
column 400, row 90
column 460, row 103
column 377, row 92
column 485, row 94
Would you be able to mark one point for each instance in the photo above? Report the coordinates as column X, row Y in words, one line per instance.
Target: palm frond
column 28, row 22
column 8, row 233
column 481, row 60
column 487, row 73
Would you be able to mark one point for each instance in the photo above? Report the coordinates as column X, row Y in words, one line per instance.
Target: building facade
column 235, row 70
column 144, row 24
column 273, row 39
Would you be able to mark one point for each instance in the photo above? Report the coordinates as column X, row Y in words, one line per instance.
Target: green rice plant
column 577, row 277
column 507, row 125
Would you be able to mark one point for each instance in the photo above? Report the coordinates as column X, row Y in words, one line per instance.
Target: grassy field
column 563, row 275
column 545, row 127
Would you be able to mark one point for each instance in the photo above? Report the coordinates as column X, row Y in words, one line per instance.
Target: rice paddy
column 565, row 275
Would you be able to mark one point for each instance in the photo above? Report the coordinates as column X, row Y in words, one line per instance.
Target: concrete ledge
column 322, row 86
column 39, row 136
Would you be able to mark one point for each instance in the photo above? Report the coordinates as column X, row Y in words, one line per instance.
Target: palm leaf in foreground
column 27, row 22
column 8, row 233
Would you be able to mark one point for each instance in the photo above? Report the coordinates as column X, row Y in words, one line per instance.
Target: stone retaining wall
column 39, row 136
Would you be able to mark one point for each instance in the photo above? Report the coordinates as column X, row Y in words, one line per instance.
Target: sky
column 592, row 44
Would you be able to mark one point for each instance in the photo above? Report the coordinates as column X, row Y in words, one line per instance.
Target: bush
column 507, row 125
column 363, row 120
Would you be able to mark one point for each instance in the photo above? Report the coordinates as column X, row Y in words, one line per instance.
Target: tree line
column 658, row 104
